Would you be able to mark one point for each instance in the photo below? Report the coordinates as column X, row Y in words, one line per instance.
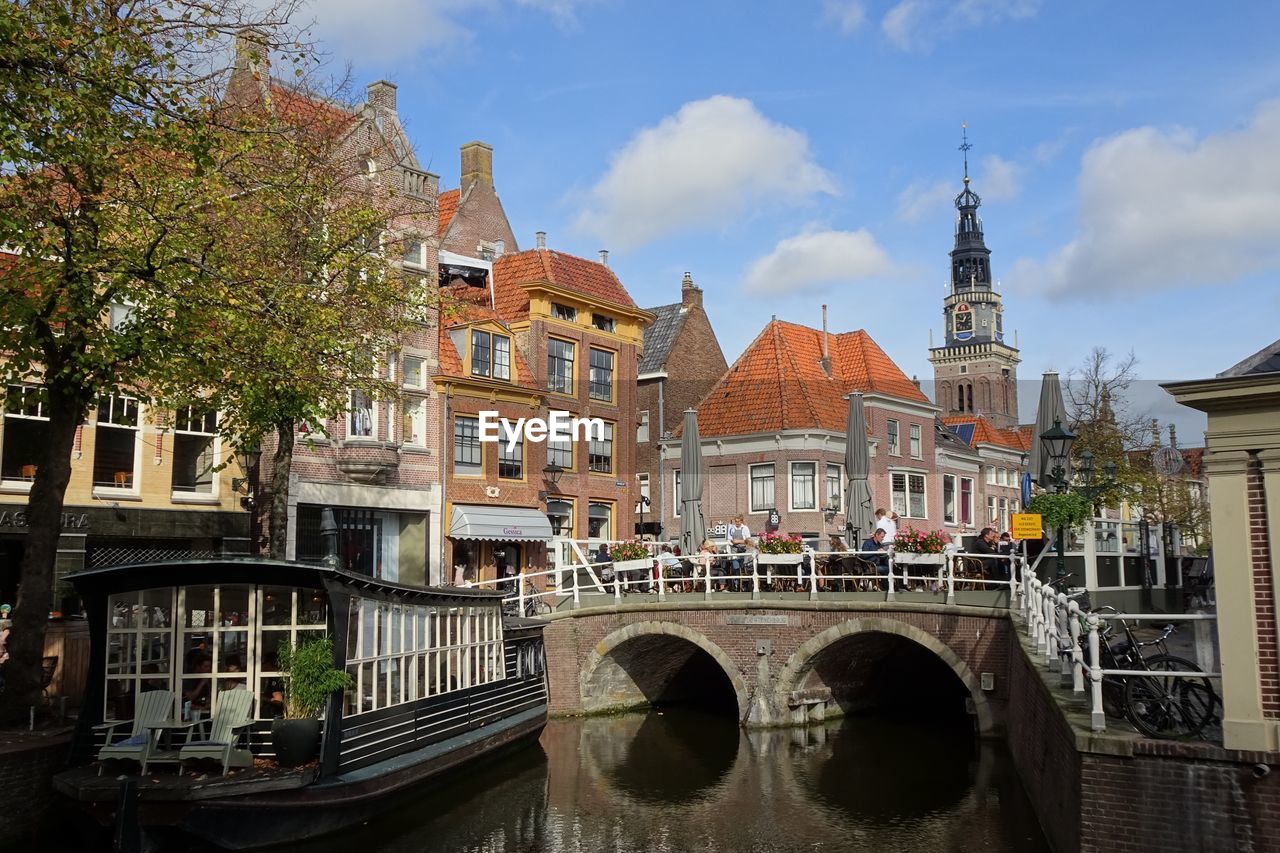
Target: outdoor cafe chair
column 226, row 727
column 154, row 706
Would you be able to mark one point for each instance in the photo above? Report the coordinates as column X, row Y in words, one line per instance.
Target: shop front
column 488, row 542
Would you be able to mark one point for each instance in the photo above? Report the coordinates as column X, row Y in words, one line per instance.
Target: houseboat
column 440, row 676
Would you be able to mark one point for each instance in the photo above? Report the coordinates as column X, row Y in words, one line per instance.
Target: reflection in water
column 683, row 780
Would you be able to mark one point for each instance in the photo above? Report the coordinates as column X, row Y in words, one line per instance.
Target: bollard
column 1099, row 716
column 1077, row 655
column 890, row 596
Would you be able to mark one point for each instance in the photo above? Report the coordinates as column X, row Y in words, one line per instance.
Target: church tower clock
column 975, row 371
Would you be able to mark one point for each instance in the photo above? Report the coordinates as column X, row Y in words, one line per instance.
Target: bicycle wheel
column 1169, row 706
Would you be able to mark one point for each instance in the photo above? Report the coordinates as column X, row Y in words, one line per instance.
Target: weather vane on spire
column 965, row 145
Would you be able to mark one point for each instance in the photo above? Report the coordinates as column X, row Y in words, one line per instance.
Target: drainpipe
column 444, row 488
column 662, row 480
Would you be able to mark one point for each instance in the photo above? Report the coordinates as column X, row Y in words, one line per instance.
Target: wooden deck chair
column 226, row 726
column 154, row 706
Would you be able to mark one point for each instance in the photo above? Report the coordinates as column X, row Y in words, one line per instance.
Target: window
column 835, row 488
column 599, row 521
column 601, row 375
column 991, row 475
column 603, row 323
column 560, row 453
column 114, row 455
column 490, row 355
column 993, row 509
column 916, row 450
column 467, row 461
column 415, row 374
column 600, row 451
column 139, row 648
column 564, row 312
column 949, row 498
column 286, row 615
column 511, row 462
column 642, row 428
column 414, row 428
column 676, row 488
column 213, row 651
column 25, row 431
column 120, row 316
column 1003, row 478
column 360, row 415
column 480, row 353
column 908, row 494
column 762, row 493
column 560, row 366
column 501, row 357
column 803, row 485
column 964, row 368
column 895, row 449
column 1004, row 513
column 643, row 480
column 413, row 253
column 560, row 514
column 193, row 450
column 966, row 500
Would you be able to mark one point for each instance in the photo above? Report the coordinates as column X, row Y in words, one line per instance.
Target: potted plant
column 919, row 546
column 780, row 549
column 630, row 556
column 308, row 677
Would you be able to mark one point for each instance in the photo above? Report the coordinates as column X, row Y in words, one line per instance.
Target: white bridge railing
column 1056, row 621
column 815, row 573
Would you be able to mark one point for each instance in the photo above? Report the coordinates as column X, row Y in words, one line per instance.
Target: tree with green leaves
column 1098, row 406
column 108, row 139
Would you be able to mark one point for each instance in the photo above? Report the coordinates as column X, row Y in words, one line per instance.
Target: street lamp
column 247, row 456
column 1056, row 444
column 551, row 476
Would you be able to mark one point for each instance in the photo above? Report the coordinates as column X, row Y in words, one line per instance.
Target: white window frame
column 791, row 486
column 421, row 261
column 675, row 488
column 352, row 415
column 960, row 500
column 893, row 430
column 991, row 475
column 954, row 482
column 840, row 486
column 22, row 483
column 751, row 491
column 916, row 438
column 642, row 481
column 132, row 488
column 642, row 427
column 422, row 371
column 216, row 451
column 907, row 474
column 414, row 423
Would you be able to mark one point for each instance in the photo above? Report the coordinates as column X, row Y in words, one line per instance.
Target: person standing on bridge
column 888, row 522
column 738, row 534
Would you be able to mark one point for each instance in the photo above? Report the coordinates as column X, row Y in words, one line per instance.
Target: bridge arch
column 601, row 669
column 802, row 661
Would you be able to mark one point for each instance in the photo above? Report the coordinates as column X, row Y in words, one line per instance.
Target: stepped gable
column 778, row 383
column 567, row 272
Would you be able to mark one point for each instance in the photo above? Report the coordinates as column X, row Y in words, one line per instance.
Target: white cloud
column 706, row 165
column 918, row 25
column 816, row 258
column 846, row 14
column 384, row 31
column 922, row 199
column 1001, row 179
column 1160, row 209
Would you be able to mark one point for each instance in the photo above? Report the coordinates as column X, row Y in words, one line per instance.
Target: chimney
column 382, row 96
column 690, row 293
column 1155, row 432
column 540, row 239
column 1173, row 436
column 915, row 380
column 826, row 351
column 252, row 54
column 604, row 257
column 477, row 164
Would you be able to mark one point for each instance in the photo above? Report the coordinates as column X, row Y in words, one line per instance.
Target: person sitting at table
column 712, row 567
column 197, row 690
column 671, row 568
column 878, row 561
column 993, row 567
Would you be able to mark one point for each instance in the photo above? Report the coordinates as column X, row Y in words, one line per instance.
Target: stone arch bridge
column 781, row 662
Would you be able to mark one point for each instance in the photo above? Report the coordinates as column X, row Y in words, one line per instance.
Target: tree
column 1100, row 416
column 106, row 134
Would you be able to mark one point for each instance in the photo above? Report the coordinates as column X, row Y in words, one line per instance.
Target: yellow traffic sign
column 1027, row 525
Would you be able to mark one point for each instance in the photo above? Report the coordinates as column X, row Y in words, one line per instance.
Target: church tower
column 974, row 371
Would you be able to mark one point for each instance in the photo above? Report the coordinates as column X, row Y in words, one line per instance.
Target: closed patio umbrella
column 693, row 529
column 1049, row 409
column 859, row 516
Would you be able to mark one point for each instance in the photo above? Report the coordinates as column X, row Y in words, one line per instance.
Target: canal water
column 684, row 780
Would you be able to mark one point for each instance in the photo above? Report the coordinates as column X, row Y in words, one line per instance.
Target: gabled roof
column 658, row 338
column 447, row 204
column 975, row 430
column 1265, row 360
column 778, row 383
column 590, row 279
column 309, row 112
column 452, row 364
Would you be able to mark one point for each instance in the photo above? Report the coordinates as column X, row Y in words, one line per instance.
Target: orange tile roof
column 985, row 432
column 589, row 278
column 307, row 112
column 778, row 382
column 451, row 361
column 447, row 206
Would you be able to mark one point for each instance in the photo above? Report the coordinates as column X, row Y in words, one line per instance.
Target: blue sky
column 791, row 154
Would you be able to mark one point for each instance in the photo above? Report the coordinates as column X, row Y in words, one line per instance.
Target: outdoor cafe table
column 165, row 752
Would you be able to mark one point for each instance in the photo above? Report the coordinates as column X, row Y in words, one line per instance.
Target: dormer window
column 603, row 323
column 564, row 312
column 490, row 355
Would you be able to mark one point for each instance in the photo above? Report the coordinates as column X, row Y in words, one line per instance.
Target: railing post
column 617, row 585
column 520, row 595
column 1013, row 583
column 577, row 595
column 1099, row 716
column 813, row 574
column 892, row 566
column 1050, row 628
column 951, row 579
column 662, row 582
column 755, row 578
column 706, row 573
column 1062, row 631
column 1077, row 655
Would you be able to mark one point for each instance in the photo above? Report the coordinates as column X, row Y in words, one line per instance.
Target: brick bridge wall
column 608, row 658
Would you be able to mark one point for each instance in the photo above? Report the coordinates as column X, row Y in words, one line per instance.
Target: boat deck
column 85, row 785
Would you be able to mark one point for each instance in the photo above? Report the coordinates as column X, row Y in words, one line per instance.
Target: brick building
column 995, row 491
column 682, row 360
column 377, row 466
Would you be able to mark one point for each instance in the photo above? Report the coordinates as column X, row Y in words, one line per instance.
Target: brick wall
column 1263, row 595
column 27, row 765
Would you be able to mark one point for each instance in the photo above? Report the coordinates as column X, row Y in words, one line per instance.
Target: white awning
column 499, row 523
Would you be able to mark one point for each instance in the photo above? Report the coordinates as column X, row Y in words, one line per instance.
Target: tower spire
column 965, row 145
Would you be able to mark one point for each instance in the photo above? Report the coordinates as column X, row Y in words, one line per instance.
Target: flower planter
column 296, row 741
column 779, row 559
column 920, row 559
column 632, row 565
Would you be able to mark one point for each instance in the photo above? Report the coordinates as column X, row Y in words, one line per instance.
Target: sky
column 791, row 154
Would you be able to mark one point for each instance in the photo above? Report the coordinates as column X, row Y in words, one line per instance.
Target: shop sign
column 18, row 518
column 1027, row 525
column 513, row 531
